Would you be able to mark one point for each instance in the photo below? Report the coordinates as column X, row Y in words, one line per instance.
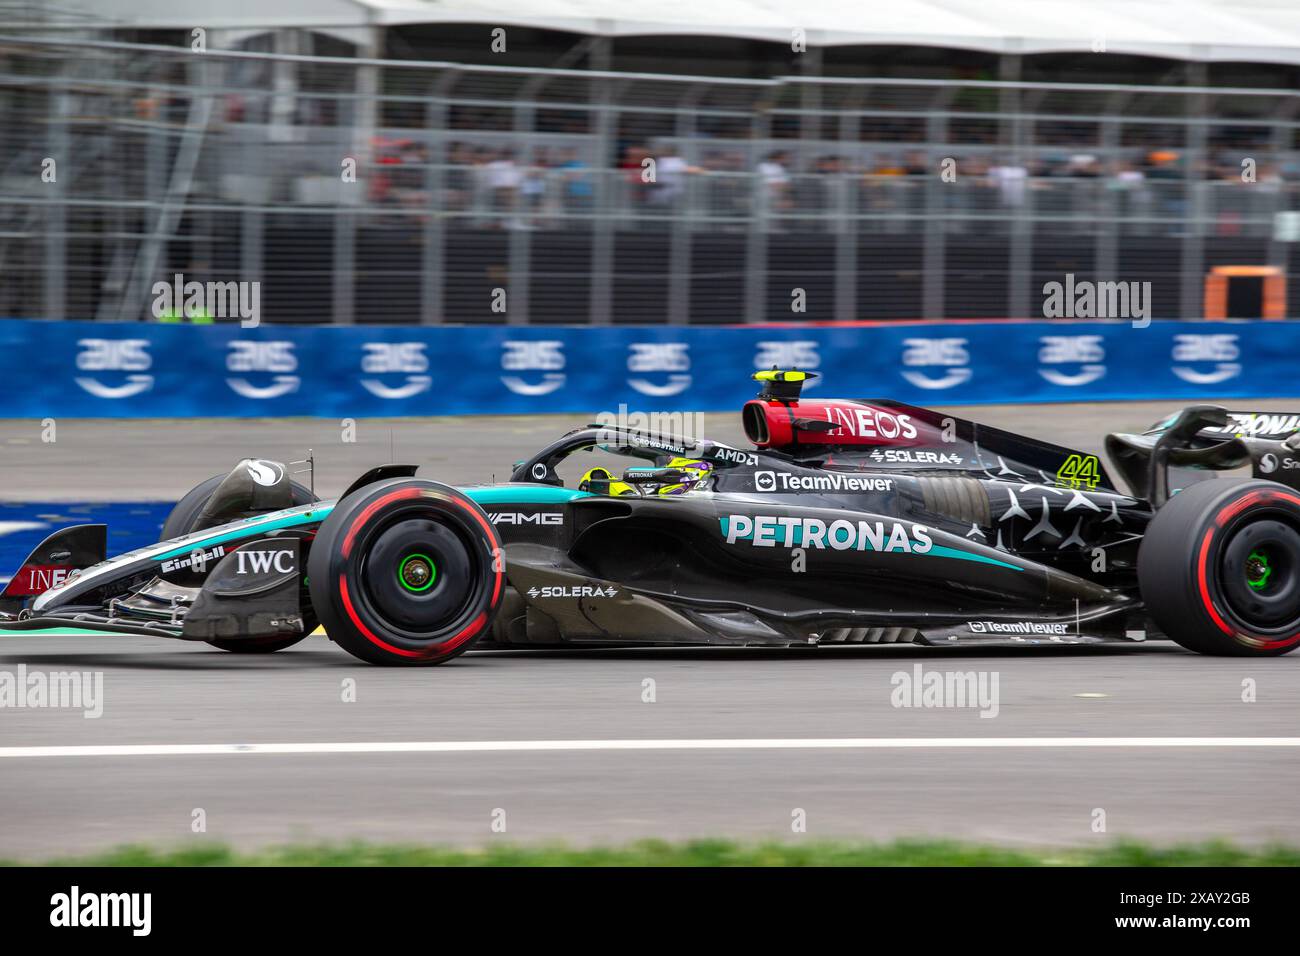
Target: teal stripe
column 247, row 530
column 524, row 494
column 497, row 494
column 938, row 550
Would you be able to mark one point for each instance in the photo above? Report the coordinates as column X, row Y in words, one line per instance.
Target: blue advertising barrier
column 99, row 369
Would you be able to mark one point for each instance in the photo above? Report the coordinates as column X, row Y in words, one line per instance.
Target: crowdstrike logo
column 394, row 358
column 1219, row 350
column 261, row 357
column 648, row 358
column 1071, row 360
column 544, row 355
column 115, row 355
column 948, row 353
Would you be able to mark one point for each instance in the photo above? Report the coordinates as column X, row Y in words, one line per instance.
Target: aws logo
column 396, row 358
column 1071, row 360
column 265, row 361
column 116, row 356
column 545, row 356
column 1219, row 351
column 950, row 356
column 673, row 358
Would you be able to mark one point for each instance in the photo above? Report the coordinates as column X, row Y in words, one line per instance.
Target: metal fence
column 394, row 191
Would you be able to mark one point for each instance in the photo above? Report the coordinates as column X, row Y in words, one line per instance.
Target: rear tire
column 1219, row 568
column 406, row 571
column 180, row 521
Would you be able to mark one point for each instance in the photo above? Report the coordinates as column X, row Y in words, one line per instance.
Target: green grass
column 697, row 853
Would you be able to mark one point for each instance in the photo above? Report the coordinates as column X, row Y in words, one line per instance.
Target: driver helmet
column 601, row 481
column 696, row 471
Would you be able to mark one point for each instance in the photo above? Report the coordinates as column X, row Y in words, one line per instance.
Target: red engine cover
column 773, row 424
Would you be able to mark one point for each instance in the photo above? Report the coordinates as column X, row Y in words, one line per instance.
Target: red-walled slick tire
column 406, row 571
column 1219, row 568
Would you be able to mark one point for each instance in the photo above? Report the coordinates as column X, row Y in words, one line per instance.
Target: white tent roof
column 1248, row 30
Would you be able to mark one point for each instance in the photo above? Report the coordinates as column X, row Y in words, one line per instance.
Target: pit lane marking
column 529, row 746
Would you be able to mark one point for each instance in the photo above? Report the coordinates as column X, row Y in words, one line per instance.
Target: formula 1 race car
column 847, row 522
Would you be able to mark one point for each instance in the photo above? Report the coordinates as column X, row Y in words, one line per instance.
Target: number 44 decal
column 1080, row 471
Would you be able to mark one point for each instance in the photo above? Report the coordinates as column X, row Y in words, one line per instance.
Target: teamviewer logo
column 765, row 481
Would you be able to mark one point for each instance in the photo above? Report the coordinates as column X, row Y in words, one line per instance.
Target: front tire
column 1219, row 568
column 406, row 571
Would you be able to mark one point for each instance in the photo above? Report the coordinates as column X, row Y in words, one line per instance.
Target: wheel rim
column 418, row 574
column 1260, row 574
column 1258, row 570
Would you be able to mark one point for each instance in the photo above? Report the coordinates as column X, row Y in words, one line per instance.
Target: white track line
column 526, row 746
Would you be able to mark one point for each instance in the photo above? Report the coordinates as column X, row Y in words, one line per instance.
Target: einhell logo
column 198, row 560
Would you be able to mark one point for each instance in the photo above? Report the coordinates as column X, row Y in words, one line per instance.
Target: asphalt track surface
column 563, row 745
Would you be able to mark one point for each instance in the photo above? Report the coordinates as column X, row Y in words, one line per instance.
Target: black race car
column 847, row 522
